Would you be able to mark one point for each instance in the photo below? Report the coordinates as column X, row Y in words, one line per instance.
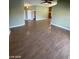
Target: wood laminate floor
column 37, row 40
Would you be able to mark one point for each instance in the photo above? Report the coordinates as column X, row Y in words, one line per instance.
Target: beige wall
column 41, row 13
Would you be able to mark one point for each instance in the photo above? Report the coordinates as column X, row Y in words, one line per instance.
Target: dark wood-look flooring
column 37, row 40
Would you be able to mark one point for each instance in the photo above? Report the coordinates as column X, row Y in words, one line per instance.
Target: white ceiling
column 38, row 3
column 33, row 1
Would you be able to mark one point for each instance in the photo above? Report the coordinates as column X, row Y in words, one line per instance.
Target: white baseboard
column 61, row 27
column 16, row 26
column 41, row 19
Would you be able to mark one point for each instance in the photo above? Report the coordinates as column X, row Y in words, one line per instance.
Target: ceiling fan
column 47, row 1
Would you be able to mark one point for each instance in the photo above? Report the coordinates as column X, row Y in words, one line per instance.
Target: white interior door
column 29, row 15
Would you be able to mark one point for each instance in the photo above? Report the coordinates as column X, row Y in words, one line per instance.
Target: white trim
column 37, row 19
column 16, row 26
column 41, row 19
column 61, row 26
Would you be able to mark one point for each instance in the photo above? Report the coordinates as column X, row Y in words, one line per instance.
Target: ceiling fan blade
column 46, row 0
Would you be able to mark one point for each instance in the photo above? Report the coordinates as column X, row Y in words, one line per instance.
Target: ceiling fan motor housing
column 47, row 1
